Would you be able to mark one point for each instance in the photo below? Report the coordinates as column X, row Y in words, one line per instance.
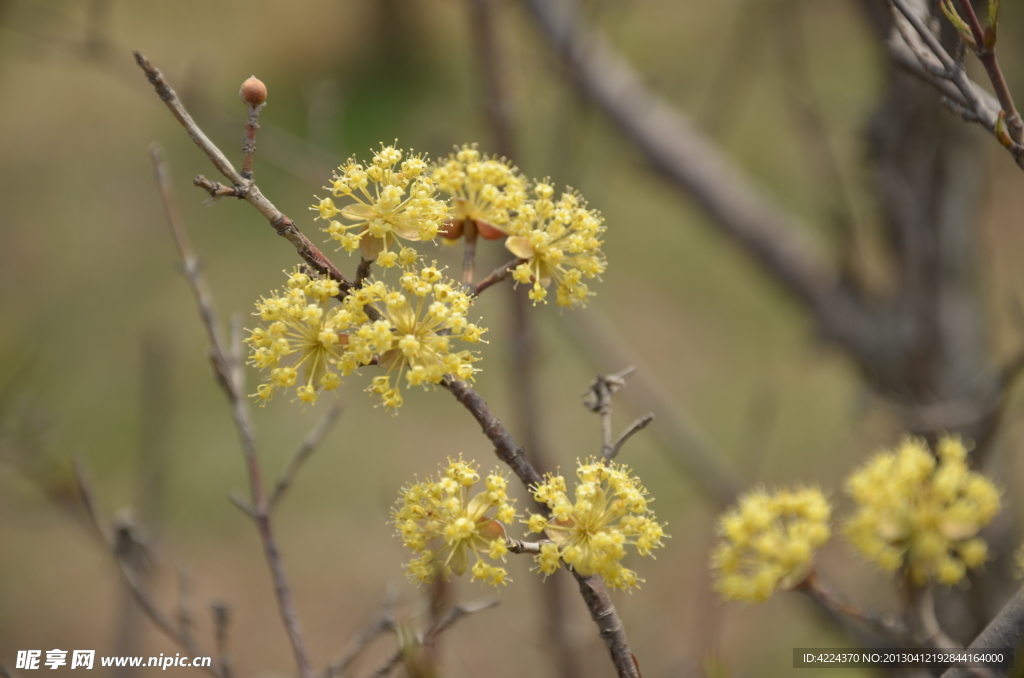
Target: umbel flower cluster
column 439, row 521
column 768, row 542
column 558, row 241
column 487, row 191
column 916, row 510
column 387, row 199
column 921, row 512
column 591, row 534
column 414, row 332
column 414, row 328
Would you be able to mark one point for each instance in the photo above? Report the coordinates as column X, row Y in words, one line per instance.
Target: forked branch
column 229, row 376
column 593, row 590
column 241, row 187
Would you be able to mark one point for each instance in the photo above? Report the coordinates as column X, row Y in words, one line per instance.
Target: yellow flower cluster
column 486, row 190
column 391, row 198
column 768, row 542
column 410, row 331
column 922, row 513
column 439, row 521
column 590, row 534
column 300, row 324
column 559, row 240
column 415, row 333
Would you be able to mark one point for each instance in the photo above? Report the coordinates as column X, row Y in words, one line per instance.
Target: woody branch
column 230, row 375
column 595, row 595
column 241, row 187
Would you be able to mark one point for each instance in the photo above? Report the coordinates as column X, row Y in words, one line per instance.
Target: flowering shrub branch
column 556, row 241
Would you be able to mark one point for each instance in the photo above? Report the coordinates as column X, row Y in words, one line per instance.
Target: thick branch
column 507, row 449
column 1006, row 630
column 690, row 161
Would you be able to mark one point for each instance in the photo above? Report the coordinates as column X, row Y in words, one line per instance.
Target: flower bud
column 253, row 92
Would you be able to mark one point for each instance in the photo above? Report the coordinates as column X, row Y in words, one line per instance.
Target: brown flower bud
column 253, row 92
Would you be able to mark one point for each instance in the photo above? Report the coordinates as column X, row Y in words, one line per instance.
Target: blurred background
column 102, row 354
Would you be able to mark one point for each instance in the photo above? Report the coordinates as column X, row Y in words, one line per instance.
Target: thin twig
column 455, row 614
column 496, row 276
column 634, row 428
column 252, row 126
column 935, row 636
column 355, row 646
column 230, row 376
column 186, row 618
column 987, row 55
column 221, row 619
column 680, row 437
column 599, row 401
column 824, row 595
column 106, row 537
column 303, row 451
column 954, row 73
column 242, row 187
column 242, row 503
column 507, row 449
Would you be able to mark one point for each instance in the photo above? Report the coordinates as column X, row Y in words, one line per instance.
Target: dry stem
column 600, row 402
column 455, row 614
column 941, row 69
column 221, row 619
column 228, row 374
column 987, row 56
column 381, row 623
column 145, row 603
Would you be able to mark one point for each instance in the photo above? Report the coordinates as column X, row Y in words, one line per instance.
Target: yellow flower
column 559, row 241
column 439, row 521
column 416, row 333
column 391, row 198
column 300, row 325
column 485, row 190
column 591, row 534
column 768, row 542
column 922, row 513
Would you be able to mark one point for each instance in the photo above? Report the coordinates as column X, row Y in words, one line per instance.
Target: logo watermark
column 85, row 659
